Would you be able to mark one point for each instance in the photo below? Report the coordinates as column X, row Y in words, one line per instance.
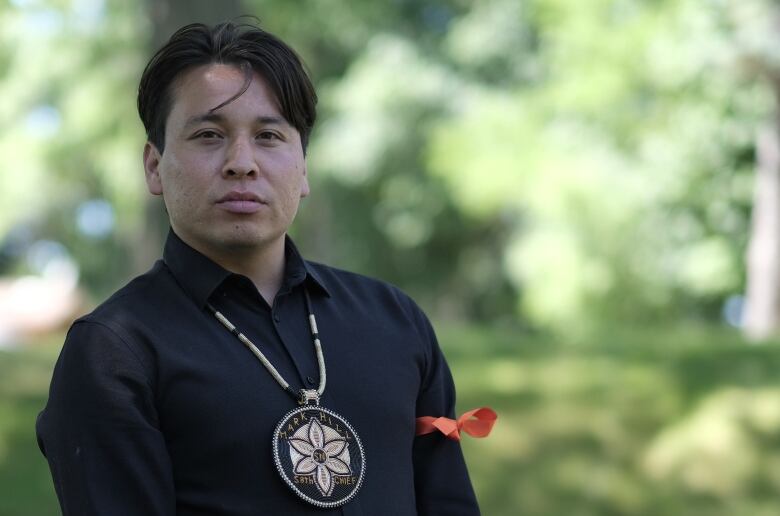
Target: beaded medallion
column 319, row 456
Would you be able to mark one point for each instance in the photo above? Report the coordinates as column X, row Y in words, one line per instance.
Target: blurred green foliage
column 573, row 163
column 626, row 154
column 567, row 169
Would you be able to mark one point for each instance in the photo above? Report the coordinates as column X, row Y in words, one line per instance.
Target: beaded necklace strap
column 303, row 396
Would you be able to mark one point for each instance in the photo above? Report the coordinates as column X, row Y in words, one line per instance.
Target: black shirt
column 156, row 409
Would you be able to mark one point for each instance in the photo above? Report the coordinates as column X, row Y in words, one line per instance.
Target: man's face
column 231, row 178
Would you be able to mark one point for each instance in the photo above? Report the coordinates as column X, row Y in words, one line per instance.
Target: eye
column 268, row 135
column 208, row 134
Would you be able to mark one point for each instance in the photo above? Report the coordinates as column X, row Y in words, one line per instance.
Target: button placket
column 277, row 306
column 295, row 337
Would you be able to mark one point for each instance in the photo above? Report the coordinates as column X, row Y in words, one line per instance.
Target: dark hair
column 244, row 45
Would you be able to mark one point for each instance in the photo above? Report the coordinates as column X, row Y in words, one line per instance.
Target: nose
column 240, row 160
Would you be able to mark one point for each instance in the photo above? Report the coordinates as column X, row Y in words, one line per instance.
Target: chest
column 217, row 401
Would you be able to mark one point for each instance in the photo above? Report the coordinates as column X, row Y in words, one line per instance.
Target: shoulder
column 133, row 298
column 106, row 344
column 128, row 313
column 365, row 294
column 339, row 282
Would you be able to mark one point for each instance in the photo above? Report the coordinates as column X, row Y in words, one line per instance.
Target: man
column 201, row 387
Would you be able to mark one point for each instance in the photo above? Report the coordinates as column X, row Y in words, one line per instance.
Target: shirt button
column 310, row 379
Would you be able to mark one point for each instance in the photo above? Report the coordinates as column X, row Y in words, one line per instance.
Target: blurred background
column 583, row 195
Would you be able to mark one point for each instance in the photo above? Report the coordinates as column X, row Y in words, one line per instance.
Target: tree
column 755, row 29
column 626, row 154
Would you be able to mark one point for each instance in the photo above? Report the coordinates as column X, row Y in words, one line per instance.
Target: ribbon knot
column 480, row 426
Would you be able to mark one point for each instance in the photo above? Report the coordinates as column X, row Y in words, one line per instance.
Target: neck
column 264, row 266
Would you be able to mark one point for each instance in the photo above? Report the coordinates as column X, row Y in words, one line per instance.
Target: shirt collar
column 199, row 276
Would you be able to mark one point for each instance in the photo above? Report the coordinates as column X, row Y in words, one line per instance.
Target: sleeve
column 441, row 480
column 100, row 431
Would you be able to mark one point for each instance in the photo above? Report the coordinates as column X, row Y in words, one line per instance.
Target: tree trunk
column 762, row 309
column 167, row 16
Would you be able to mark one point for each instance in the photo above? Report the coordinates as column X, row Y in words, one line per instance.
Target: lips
column 240, row 202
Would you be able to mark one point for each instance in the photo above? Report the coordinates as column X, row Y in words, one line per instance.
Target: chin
column 246, row 238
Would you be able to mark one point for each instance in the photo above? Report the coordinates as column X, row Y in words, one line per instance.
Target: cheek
column 183, row 178
column 293, row 176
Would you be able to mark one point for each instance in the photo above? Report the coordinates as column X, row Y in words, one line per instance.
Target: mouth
column 240, row 202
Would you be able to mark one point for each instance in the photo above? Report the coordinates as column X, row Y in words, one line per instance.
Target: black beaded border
column 282, row 473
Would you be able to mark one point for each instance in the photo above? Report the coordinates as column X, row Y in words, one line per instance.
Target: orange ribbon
column 480, row 426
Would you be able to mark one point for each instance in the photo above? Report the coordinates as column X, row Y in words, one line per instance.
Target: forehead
column 201, row 89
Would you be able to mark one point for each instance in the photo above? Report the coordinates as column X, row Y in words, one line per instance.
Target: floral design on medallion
column 318, row 450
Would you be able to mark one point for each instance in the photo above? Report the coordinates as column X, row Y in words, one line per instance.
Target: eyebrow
column 218, row 118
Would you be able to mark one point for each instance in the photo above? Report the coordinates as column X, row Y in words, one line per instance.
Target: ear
column 304, row 182
column 152, row 169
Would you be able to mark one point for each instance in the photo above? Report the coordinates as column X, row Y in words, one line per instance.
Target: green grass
column 640, row 422
column 25, row 484
column 621, row 424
